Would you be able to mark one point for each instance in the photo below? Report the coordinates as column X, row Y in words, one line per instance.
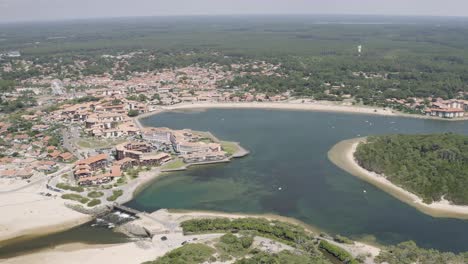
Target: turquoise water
column 289, row 151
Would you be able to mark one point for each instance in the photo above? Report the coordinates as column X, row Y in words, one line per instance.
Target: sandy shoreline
column 144, row 250
column 29, row 214
column 53, row 216
column 342, row 155
column 320, row 106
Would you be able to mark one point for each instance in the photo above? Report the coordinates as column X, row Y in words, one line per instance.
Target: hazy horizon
column 12, row 11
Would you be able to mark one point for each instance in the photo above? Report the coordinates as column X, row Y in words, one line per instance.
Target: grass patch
column 132, row 173
column 94, row 143
column 175, row 164
column 75, row 197
column 120, row 181
column 64, row 186
column 282, row 257
column 232, row 245
column 187, row 254
column 337, row 252
column 343, row 240
column 115, row 194
column 230, row 147
column 94, row 202
column 280, row 231
column 95, row 194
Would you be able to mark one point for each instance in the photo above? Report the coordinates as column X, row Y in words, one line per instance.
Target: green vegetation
column 409, row 253
column 75, row 197
column 83, row 100
column 229, row 147
column 22, row 102
column 115, row 194
column 94, row 202
column 231, row 245
column 95, row 194
column 343, row 240
column 98, row 143
column 133, row 172
column 282, row 257
column 431, row 166
column 281, row 231
column 237, row 242
column 64, row 186
column 173, row 165
column 187, row 254
column 336, row 251
column 133, row 113
column 401, row 57
column 121, row 181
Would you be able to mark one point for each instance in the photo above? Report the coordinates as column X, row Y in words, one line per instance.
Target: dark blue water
column 289, row 150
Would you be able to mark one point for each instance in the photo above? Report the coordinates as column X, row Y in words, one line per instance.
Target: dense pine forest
column 431, row 166
column 401, row 57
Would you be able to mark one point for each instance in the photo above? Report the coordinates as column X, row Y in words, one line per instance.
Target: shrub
column 94, row 202
column 115, row 194
column 75, row 197
column 187, row 254
column 64, row 186
column 95, row 194
column 230, row 244
column 338, row 252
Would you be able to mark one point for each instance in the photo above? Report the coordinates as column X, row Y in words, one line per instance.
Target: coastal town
column 60, row 146
column 79, row 142
column 87, row 129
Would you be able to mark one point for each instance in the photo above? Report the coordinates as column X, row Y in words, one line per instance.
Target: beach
column 294, row 105
column 162, row 223
column 28, row 213
column 342, row 155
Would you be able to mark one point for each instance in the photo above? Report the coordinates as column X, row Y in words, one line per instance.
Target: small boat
column 364, row 191
column 279, row 188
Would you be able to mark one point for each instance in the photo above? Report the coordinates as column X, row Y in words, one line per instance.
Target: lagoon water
column 288, row 173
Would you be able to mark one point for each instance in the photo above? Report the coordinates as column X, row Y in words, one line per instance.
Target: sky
column 42, row 10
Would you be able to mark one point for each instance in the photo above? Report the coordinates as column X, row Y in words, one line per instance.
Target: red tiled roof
column 92, row 159
column 66, row 155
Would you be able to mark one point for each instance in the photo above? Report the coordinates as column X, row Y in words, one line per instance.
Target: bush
column 338, row 252
column 115, row 194
column 284, row 256
column 187, row 254
column 284, row 232
column 64, row 186
column 75, row 197
column 343, row 240
column 95, row 194
column 94, row 202
column 246, row 241
column 232, row 245
column 133, row 113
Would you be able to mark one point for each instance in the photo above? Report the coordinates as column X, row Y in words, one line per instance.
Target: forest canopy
column 432, row 166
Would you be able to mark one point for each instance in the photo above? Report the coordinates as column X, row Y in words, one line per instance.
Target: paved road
column 41, row 180
column 70, row 135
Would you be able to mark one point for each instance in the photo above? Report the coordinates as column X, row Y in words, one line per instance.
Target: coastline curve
column 342, row 155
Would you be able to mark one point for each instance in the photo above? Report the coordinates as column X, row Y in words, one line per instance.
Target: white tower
column 359, row 49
